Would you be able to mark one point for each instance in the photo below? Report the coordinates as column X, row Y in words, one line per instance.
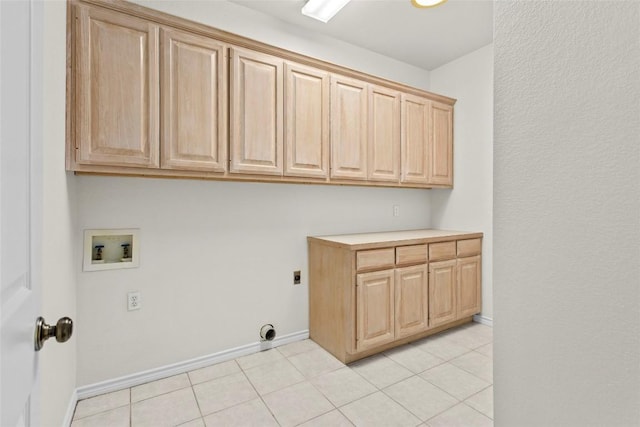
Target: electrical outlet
column 396, row 210
column 134, row 301
column 296, row 277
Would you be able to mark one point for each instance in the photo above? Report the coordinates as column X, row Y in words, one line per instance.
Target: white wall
column 218, row 257
column 57, row 361
column 469, row 206
column 256, row 25
column 567, row 213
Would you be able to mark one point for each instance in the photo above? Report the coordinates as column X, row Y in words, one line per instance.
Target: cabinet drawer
column 442, row 251
column 414, row 254
column 469, row 247
column 375, row 258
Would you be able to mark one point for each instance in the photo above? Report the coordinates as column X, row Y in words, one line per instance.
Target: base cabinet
column 372, row 292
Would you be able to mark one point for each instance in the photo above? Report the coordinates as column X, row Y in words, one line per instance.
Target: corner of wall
column 469, row 205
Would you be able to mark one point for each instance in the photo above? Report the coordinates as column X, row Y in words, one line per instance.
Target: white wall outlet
column 134, row 301
column 396, row 210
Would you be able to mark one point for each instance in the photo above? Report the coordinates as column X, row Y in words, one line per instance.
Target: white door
column 20, row 205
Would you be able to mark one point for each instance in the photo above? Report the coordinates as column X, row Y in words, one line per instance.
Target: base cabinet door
column 375, row 294
column 412, row 300
column 469, row 292
column 442, row 292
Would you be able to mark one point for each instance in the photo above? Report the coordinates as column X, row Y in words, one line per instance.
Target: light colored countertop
column 392, row 238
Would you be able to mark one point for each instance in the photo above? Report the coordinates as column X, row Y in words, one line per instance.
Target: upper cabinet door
column 194, row 107
column 441, row 144
column 348, row 128
column 116, row 111
column 306, row 121
column 256, row 137
column 415, row 138
column 384, row 135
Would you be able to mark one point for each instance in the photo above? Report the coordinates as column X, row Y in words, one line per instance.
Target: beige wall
column 567, row 213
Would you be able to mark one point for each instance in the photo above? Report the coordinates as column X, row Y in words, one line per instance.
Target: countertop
column 388, row 238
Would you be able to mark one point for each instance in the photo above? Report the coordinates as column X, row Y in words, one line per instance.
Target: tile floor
column 440, row 381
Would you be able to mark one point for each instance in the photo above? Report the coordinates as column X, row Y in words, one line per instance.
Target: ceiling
column 426, row 38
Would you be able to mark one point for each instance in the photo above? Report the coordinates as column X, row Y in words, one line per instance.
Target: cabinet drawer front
column 375, row 258
column 469, row 247
column 414, row 254
column 442, row 251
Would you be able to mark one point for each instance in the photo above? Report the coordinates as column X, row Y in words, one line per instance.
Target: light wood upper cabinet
column 415, row 139
column 194, row 107
column 116, row 89
column 384, row 135
column 155, row 95
column 442, row 292
column 256, row 138
column 441, row 144
column 375, row 309
column 412, row 300
column 469, row 289
column 348, row 128
column 306, row 121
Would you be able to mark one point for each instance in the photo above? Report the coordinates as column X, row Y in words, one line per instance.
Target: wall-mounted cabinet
column 116, row 89
column 371, row 292
column 256, row 112
column 194, row 111
column 384, row 135
column 348, row 128
column 306, row 121
column 440, row 143
column 155, row 95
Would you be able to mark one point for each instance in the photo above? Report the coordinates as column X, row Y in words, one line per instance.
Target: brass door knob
column 62, row 331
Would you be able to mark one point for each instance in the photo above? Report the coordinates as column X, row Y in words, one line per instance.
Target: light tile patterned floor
column 440, row 381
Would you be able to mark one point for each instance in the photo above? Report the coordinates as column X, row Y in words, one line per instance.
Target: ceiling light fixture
column 427, row 3
column 324, row 10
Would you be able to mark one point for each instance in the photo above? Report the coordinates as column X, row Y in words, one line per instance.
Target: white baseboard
column 182, row 367
column 71, row 408
column 483, row 320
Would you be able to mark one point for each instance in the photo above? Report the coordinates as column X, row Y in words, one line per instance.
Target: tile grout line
column 259, row 395
column 195, row 396
column 484, row 389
